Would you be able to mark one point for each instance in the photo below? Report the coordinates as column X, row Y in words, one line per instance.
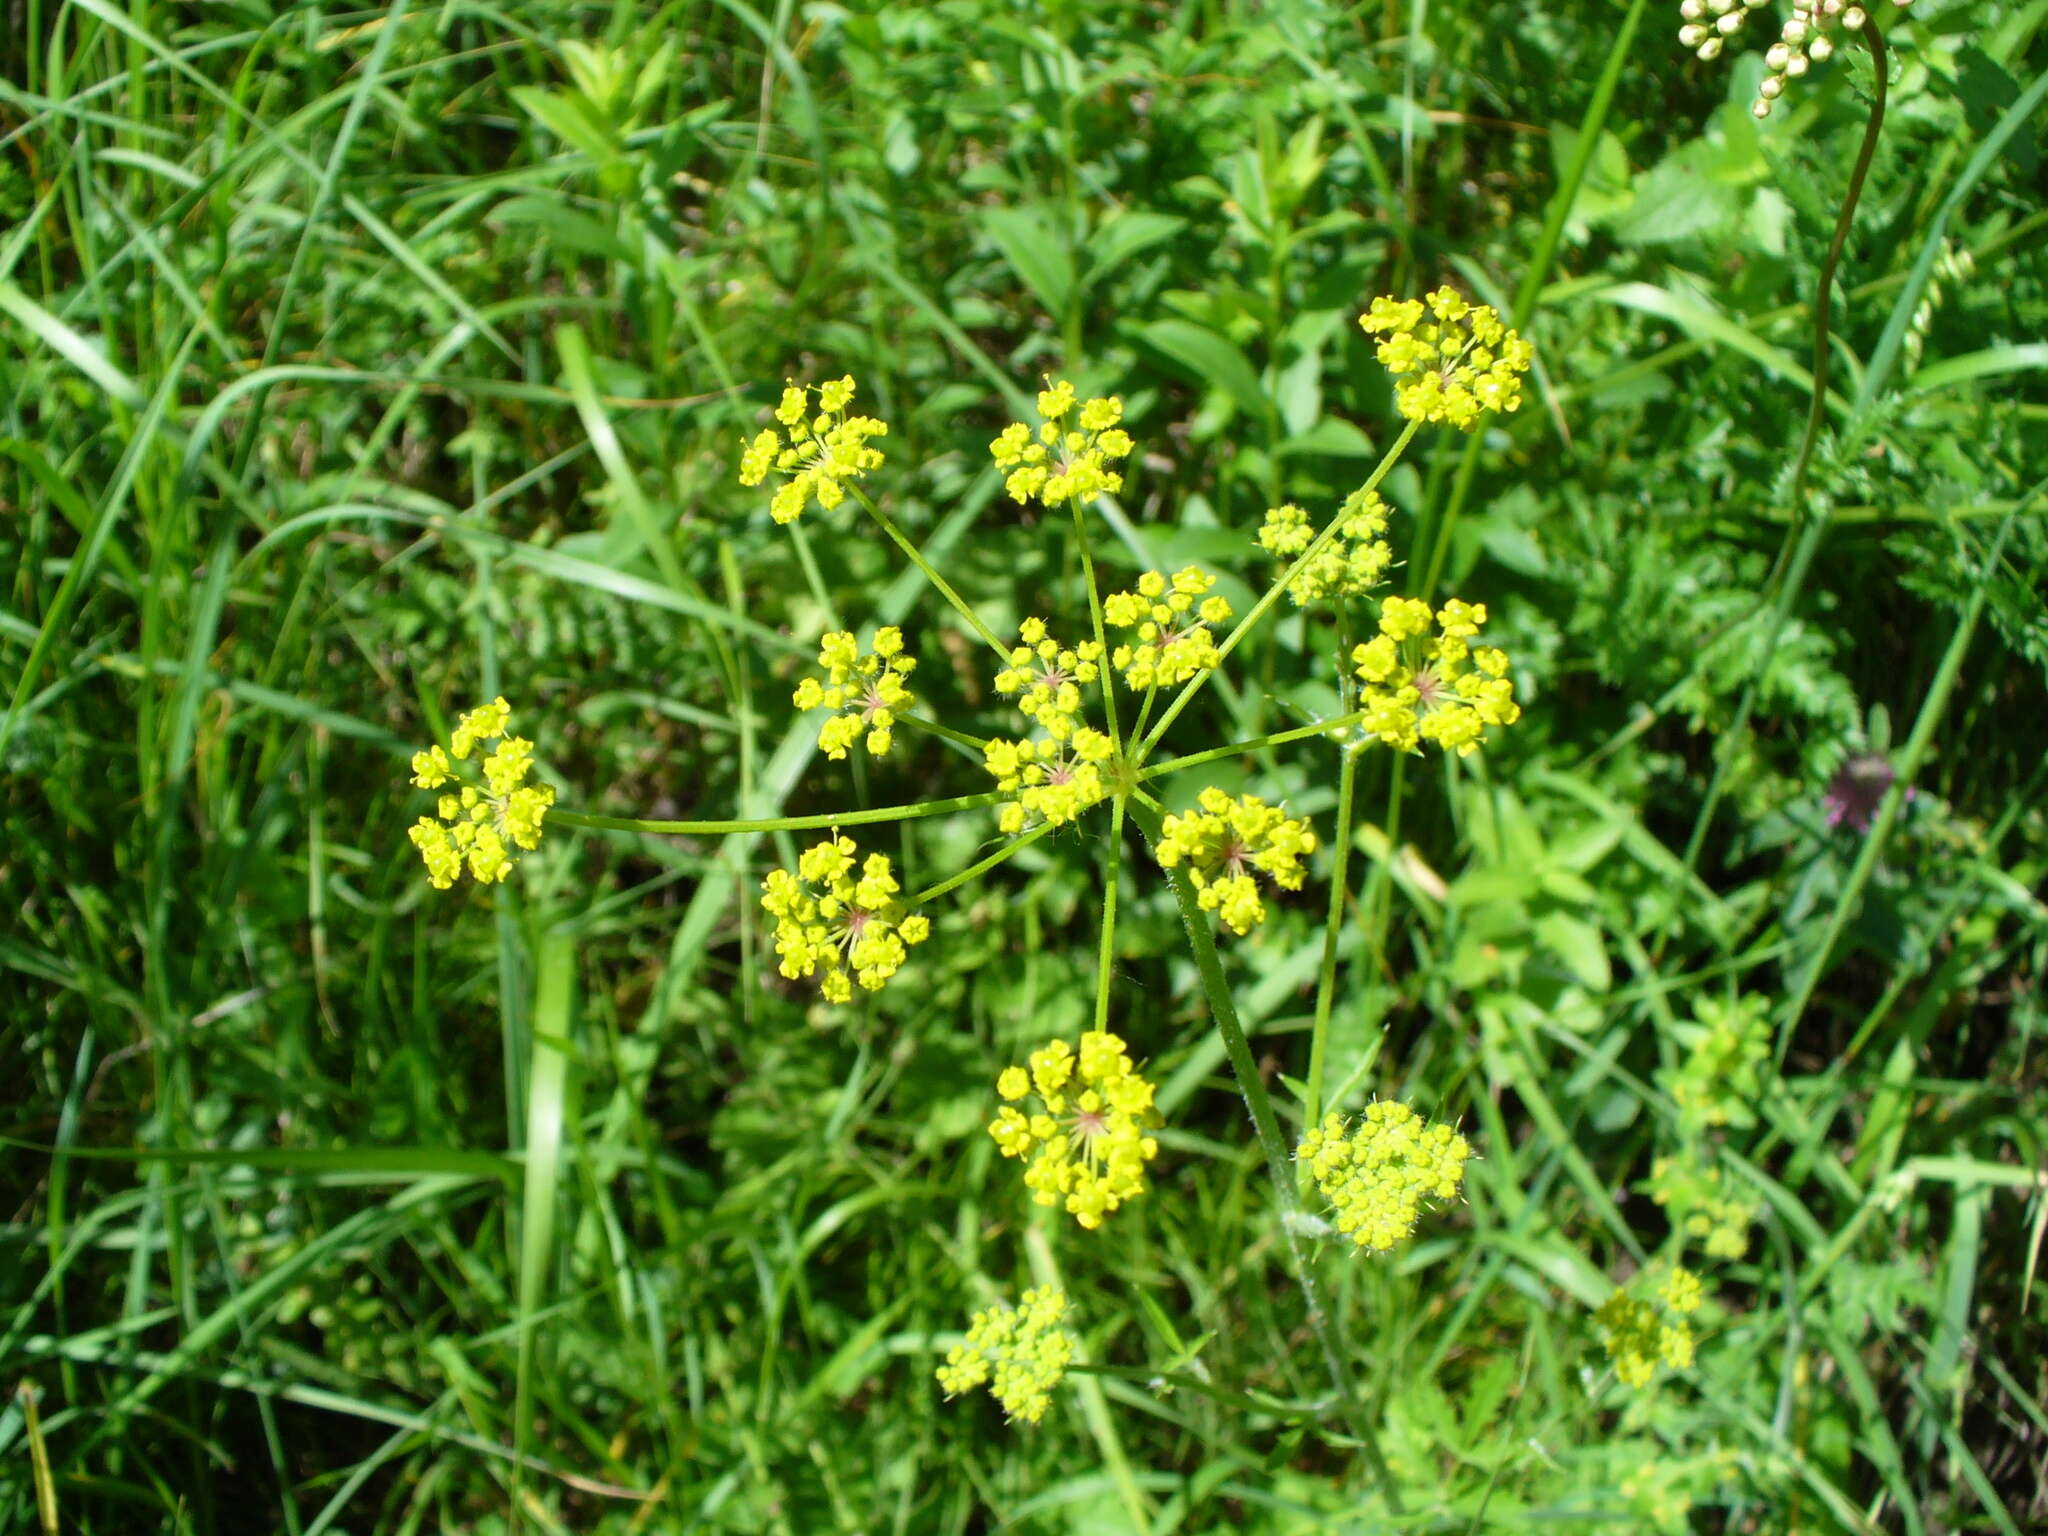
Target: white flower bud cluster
column 1806, row 40
column 1709, row 23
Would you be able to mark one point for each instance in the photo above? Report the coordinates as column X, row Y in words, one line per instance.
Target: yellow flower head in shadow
column 480, row 828
column 1021, row 1351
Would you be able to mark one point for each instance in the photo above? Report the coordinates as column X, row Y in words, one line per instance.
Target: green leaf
column 1211, row 360
column 1120, row 238
column 1035, row 253
column 577, row 232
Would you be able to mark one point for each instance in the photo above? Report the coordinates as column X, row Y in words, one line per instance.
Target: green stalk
column 1266, row 1125
column 916, row 556
column 1196, row 683
column 1101, row 637
column 774, row 823
column 1107, row 953
column 974, row 871
column 1333, row 928
column 1255, row 744
column 1789, row 576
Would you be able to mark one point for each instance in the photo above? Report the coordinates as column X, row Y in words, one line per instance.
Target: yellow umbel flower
column 479, row 828
column 1023, row 1348
column 1054, row 778
column 1047, row 678
column 1225, row 843
column 821, row 454
column 1171, row 621
column 1639, row 1339
column 841, row 917
column 1086, row 1147
column 1699, row 1208
column 1067, row 460
column 1420, row 687
column 1350, row 565
column 1378, row 1175
column 1451, row 361
column 868, row 690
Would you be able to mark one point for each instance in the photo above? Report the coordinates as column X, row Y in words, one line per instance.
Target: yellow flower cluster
column 842, row 918
column 1350, row 565
column 1456, row 366
column 822, row 453
column 1641, row 1335
column 868, row 691
column 1058, row 775
column 1378, row 1175
column 1225, row 842
column 1087, row 1145
column 1421, row 688
column 476, row 824
column 1699, row 1208
column 1172, row 622
column 1022, row 1347
column 1065, row 461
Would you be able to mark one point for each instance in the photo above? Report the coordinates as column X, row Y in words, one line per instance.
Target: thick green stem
column 773, row 823
column 1273, row 594
column 1333, row 930
column 1266, row 1125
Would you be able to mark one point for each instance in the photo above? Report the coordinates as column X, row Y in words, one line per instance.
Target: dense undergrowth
column 357, row 366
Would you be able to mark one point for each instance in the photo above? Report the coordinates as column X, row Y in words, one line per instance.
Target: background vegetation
column 358, row 364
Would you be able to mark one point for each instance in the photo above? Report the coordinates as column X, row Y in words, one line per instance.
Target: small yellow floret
column 476, row 825
column 1170, row 623
column 838, row 919
column 1379, row 1175
column 1062, row 464
column 866, row 693
column 1087, row 1146
column 821, row 454
column 1452, row 362
column 1433, row 688
column 1639, row 1339
column 1229, row 841
column 1351, row 564
column 1022, row 1348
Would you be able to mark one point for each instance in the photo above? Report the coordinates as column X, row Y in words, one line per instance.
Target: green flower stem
column 1256, row 743
column 1109, row 884
column 1045, row 1270
column 1101, row 637
column 1266, row 1124
column 1196, row 683
column 976, row 871
column 945, row 588
column 773, row 823
column 944, row 732
column 1333, row 929
column 1788, row 574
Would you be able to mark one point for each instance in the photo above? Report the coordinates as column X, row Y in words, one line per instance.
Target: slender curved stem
column 773, row 823
column 1008, row 851
column 1333, row 930
column 1256, row 743
column 916, row 557
column 1259, row 609
column 1106, row 956
column 1802, row 542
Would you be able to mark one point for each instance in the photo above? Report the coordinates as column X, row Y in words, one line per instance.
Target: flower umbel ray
column 479, row 827
column 866, row 692
column 838, row 919
column 1086, row 1146
column 1023, row 1348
